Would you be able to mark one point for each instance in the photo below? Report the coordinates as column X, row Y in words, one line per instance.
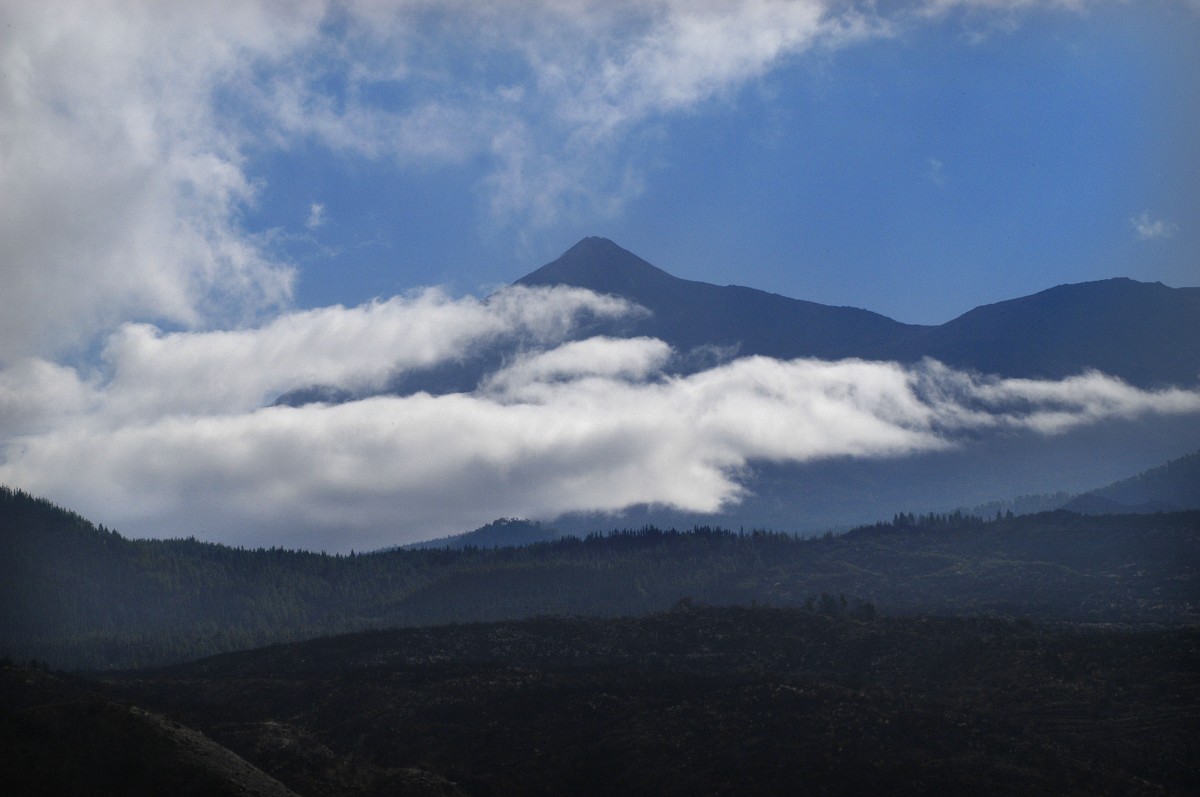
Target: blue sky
column 964, row 160
column 206, row 205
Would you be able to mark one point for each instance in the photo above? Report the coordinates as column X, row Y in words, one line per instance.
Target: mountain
column 1145, row 333
column 689, row 314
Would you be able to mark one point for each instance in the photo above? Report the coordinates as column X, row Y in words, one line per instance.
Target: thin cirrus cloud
column 316, row 216
column 597, row 424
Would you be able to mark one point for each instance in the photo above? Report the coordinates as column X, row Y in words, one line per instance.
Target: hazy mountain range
column 1143, row 333
column 1146, row 334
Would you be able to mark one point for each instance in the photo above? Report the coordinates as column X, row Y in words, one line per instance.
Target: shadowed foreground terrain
column 947, row 654
column 59, row 737
column 702, row 700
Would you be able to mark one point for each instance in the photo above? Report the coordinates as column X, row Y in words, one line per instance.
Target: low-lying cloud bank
column 179, row 436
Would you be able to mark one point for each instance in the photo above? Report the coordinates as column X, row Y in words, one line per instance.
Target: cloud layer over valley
column 178, row 434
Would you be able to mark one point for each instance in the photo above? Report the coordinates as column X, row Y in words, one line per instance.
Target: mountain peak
column 602, row 266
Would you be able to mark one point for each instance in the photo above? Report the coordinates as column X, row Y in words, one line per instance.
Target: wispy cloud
column 1149, row 228
column 316, row 216
column 935, row 171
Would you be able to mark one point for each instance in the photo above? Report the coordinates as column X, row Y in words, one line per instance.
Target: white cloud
column 154, row 375
column 118, row 184
column 1149, row 228
column 637, row 358
column 36, row 395
column 178, row 441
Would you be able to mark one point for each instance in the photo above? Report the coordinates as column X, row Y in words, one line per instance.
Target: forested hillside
column 81, row 596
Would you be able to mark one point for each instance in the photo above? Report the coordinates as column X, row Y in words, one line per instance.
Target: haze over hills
column 1171, row 486
column 500, row 533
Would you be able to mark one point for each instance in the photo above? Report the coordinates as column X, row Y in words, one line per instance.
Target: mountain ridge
column 1143, row 333
column 689, row 314
column 1146, row 334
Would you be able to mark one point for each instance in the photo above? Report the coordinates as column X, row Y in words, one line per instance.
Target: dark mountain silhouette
column 1145, row 333
column 689, row 314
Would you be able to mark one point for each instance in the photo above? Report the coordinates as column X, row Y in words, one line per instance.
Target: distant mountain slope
column 1170, row 487
column 689, row 314
column 1145, row 333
